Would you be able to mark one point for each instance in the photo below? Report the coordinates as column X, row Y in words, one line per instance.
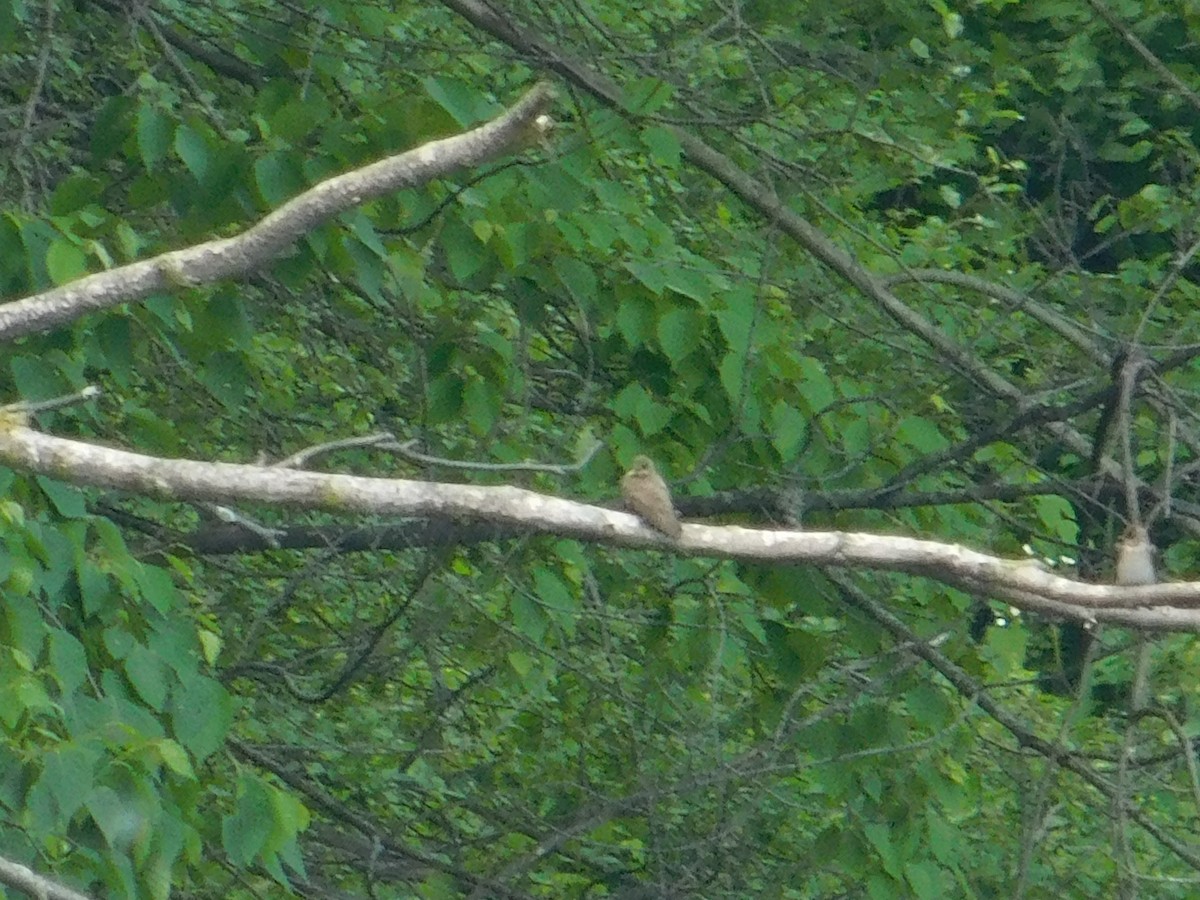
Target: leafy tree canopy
column 900, row 268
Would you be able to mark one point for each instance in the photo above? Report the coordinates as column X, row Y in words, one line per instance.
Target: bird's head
column 641, row 465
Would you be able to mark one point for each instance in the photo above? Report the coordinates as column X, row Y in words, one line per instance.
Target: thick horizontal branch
column 24, row 879
column 205, row 263
column 1160, row 606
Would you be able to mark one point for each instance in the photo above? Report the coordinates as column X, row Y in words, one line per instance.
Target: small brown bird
column 1135, row 557
column 647, row 495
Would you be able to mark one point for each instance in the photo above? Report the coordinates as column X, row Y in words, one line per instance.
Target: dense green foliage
column 391, row 710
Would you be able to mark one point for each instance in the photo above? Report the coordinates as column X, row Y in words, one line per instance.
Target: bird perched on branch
column 1135, row 565
column 647, row 495
column 1135, row 557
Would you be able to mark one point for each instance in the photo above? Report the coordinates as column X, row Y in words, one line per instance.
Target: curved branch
column 1015, row 299
column 24, row 879
column 514, row 130
column 1160, row 606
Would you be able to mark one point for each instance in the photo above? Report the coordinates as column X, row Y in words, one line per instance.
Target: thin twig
column 405, row 449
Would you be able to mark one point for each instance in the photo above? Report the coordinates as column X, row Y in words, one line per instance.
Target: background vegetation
column 864, row 266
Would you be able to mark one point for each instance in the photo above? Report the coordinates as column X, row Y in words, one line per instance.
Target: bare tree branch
column 25, row 879
column 519, row 127
column 1161, row 606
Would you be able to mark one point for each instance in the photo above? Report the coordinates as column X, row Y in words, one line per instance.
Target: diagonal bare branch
column 512, row 131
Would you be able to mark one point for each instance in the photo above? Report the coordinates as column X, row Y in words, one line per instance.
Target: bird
column 647, row 495
column 1135, row 557
column 1135, row 565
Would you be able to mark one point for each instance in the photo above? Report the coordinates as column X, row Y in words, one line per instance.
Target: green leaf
column 95, row 588
column 68, row 661
column 679, row 333
column 445, row 398
column 815, row 385
column 925, row 879
column 110, row 127
column 663, row 145
column 557, row 600
column 463, row 101
column 119, row 642
column 114, row 339
column 8, row 27
column 291, row 818
column 210, row 646
column 192, row 148
column 293, row 859
column 921, row 434
column 21, row 696
column 279, row 177
column 644, row 96
column 465, row 255
column 118, row 819
column 226, row 377
column 174, row 758
column 25, row 630
column 154, row 133
column 735, row 323
column 1004, row 650
column 928, row 707
column 483, row 229
column 481, row 405
column 67, row 499
column 637, row 403
column 201, row 715
column 156, row 587
column 65, row 261
column 880, row 837
column 689, row 281
column 521, row 663
column 68, row 772
column 75, row 192
column 1057, row 514
column 651, row 275
column 789, row 429
column 1115, row 151
column 297, row 119
column 528, row 617
column 796, row 655
column 732, row 371
column 578, row 278
column 636, row 319
column 147, row 674
column 223, row 321
column 747, row 616
column 245, row 831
